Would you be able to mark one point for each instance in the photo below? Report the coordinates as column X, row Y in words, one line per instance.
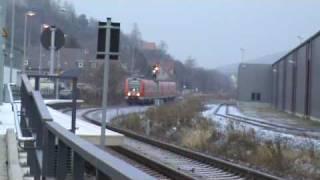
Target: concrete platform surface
column 3, row 158
column 60, row 101
column 6, row 118
column 87, row 130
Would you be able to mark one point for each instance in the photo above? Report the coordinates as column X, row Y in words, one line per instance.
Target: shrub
column 132, row 122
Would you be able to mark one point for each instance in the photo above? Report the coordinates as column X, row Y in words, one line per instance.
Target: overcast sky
column 213, row 31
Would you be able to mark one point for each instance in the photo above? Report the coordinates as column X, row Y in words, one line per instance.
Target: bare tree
column 135, row 37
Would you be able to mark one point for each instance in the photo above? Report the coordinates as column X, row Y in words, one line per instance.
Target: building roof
column 299, row 46
column 149, row 45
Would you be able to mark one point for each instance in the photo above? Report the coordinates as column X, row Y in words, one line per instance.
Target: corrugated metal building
column 295, row 80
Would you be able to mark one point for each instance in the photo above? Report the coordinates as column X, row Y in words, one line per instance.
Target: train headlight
column 138, row 94
column 129, row 94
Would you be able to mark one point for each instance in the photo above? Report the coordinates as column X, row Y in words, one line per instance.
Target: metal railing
column 18, row 131
column 51, row 136
column 56, row 79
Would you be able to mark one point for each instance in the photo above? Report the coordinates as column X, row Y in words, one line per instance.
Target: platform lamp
column 26, row 15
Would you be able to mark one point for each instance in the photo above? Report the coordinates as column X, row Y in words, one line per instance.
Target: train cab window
column 134, row 85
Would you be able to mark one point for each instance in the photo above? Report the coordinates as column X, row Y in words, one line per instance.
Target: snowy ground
column 267, row 113
column 6, row 118
column 262, row 133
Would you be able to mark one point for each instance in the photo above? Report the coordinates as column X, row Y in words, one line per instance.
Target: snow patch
column 264, row 134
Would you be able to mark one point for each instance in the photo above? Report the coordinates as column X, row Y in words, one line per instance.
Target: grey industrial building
column 290, row 84
column 256, row 80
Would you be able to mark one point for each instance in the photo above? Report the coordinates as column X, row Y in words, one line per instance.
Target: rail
column 20, row 137
column 266, row 125
column 45, row 162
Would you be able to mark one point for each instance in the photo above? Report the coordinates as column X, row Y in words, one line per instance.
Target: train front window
column 134, row 86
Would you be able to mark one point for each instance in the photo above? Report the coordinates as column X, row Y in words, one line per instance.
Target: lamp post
column 243, row 51
column 12, row 37
column 300, row 38
column 30, row 14
column 43, row 26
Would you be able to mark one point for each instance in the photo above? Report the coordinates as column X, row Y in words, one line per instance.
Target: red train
column 144, row 91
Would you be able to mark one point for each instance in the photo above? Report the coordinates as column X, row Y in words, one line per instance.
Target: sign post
column 108, row 49
column 52, row 49
column 52, row 39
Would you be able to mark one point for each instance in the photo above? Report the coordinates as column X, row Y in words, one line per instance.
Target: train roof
column 135, row 78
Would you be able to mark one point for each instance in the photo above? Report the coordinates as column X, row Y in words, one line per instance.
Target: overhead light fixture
column 45, row 26
column 30, row 13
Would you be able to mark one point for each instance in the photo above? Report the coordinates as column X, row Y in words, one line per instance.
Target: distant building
column 290, row 84
column 149, row 46
column 65, row 59
column 255, row 83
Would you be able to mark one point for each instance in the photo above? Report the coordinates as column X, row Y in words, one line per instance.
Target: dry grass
column 181, row 124
column 132, row 121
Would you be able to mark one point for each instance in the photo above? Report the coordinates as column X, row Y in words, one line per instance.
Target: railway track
column 140, row 164
column 174, row 162
column 268, row 125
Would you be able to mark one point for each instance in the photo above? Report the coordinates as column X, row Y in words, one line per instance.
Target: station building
column 290, row 84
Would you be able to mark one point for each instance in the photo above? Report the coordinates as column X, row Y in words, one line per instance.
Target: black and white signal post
column 108, row 49
column 155, row 73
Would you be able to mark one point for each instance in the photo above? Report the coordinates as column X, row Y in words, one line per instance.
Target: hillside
column 135, row 57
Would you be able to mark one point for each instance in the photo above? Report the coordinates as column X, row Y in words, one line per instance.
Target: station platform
column 6, row 118
column 3, row 158
column 61, row 103
column 6, row 122
column 86, row 130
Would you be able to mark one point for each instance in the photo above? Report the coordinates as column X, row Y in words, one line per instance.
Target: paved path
column 3, row 158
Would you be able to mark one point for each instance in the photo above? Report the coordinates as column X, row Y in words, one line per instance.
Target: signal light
column 155, row 70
